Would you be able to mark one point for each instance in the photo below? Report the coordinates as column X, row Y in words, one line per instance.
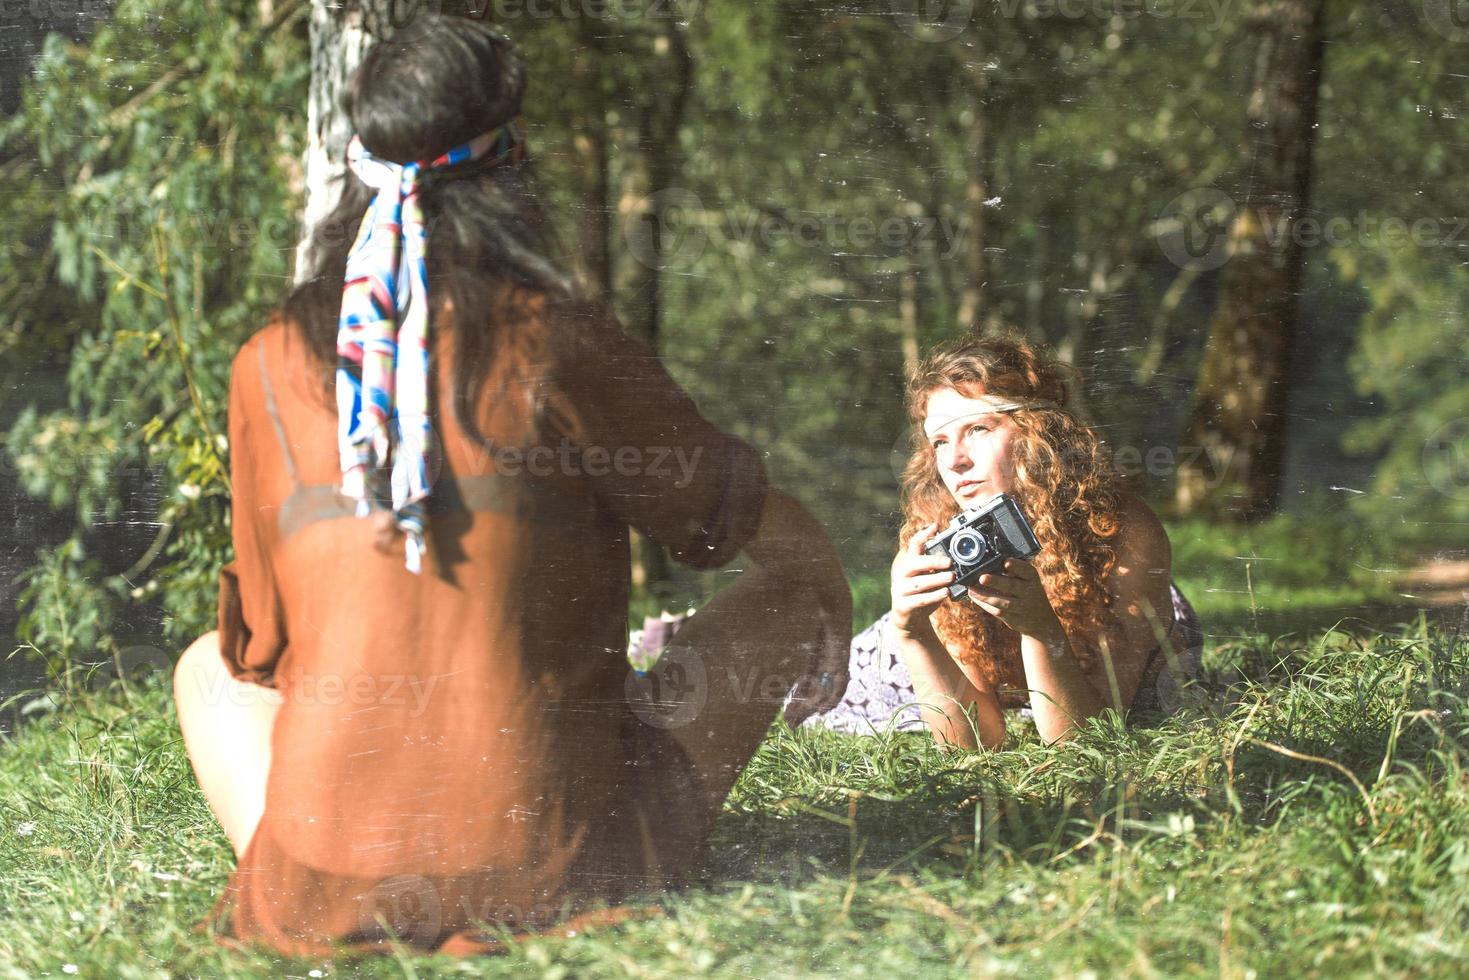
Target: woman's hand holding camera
column 919, row 583
column 1016, row 598
column 945, row 689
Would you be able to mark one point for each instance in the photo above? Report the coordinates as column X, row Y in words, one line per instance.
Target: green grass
column 1288, row 568
column 1313, row 819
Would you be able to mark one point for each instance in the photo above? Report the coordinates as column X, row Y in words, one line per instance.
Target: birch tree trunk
column 342, row 32
column 1239, row 412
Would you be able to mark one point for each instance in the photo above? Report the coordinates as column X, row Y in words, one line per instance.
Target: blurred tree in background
column 792, row 201
column 1241, row 402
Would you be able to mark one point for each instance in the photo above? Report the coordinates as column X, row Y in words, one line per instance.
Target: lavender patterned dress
column 880, row 692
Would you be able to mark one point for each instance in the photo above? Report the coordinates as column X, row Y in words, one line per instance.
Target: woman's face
column 971, row 445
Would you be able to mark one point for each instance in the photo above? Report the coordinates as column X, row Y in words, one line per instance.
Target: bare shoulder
column 1142, row 541
column 262, row 350
column 270, row 335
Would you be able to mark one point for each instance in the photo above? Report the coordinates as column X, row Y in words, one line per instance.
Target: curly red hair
column 1063, row 481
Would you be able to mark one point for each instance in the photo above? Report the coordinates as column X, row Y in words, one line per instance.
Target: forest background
column 791, row 200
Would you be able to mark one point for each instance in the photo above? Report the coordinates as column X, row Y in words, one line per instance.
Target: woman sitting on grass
column 420, row 725
column 1092, row 622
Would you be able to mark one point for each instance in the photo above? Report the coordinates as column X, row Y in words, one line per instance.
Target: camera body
column 980, row 540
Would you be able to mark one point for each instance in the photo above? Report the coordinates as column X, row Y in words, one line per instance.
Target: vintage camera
column 980, row 539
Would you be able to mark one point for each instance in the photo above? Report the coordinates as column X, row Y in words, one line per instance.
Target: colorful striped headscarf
column 382, row 337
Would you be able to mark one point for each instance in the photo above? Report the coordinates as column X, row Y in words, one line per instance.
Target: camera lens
column 967, row 547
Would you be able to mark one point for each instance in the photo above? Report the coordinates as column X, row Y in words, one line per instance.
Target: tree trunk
column 655, row 168
column 591, row 146
column 1239, row 413
column 976, row 192
column 908, row 318
column 340, row 39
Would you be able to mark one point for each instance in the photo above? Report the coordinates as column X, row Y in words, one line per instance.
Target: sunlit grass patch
column 1310, row 817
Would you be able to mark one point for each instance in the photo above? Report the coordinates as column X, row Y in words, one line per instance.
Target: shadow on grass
column 945, row 830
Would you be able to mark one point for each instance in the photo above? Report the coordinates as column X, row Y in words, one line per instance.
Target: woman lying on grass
column 1093, row 622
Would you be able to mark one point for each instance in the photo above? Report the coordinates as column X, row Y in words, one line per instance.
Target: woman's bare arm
column 1061, row 695
column 945, row 691
column 792, row 545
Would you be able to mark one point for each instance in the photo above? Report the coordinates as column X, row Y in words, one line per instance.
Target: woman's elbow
column 963, row 734
column 992, row 736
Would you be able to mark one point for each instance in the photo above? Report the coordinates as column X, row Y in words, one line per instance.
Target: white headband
column 992, row 404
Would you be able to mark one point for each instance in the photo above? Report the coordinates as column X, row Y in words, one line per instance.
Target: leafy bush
column 159, row 168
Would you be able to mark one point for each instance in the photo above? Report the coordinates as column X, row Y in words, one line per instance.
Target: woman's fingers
column 990, row 608
column 925, row 583
column 912, row 560
column 922, row 600
column 920, row 538
column 917, row 574
column 920, row 581
column 991, row 591
column 1015, row 568
column 908, row 567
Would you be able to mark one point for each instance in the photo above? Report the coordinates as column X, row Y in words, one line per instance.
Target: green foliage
column 154, row 219
column 806, row 125
column 62, row 607
column 1413, row 357
column 161, row 158
column 1312, row 822
column 1405, row 256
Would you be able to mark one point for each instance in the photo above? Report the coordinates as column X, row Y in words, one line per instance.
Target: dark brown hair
column 435, row 84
